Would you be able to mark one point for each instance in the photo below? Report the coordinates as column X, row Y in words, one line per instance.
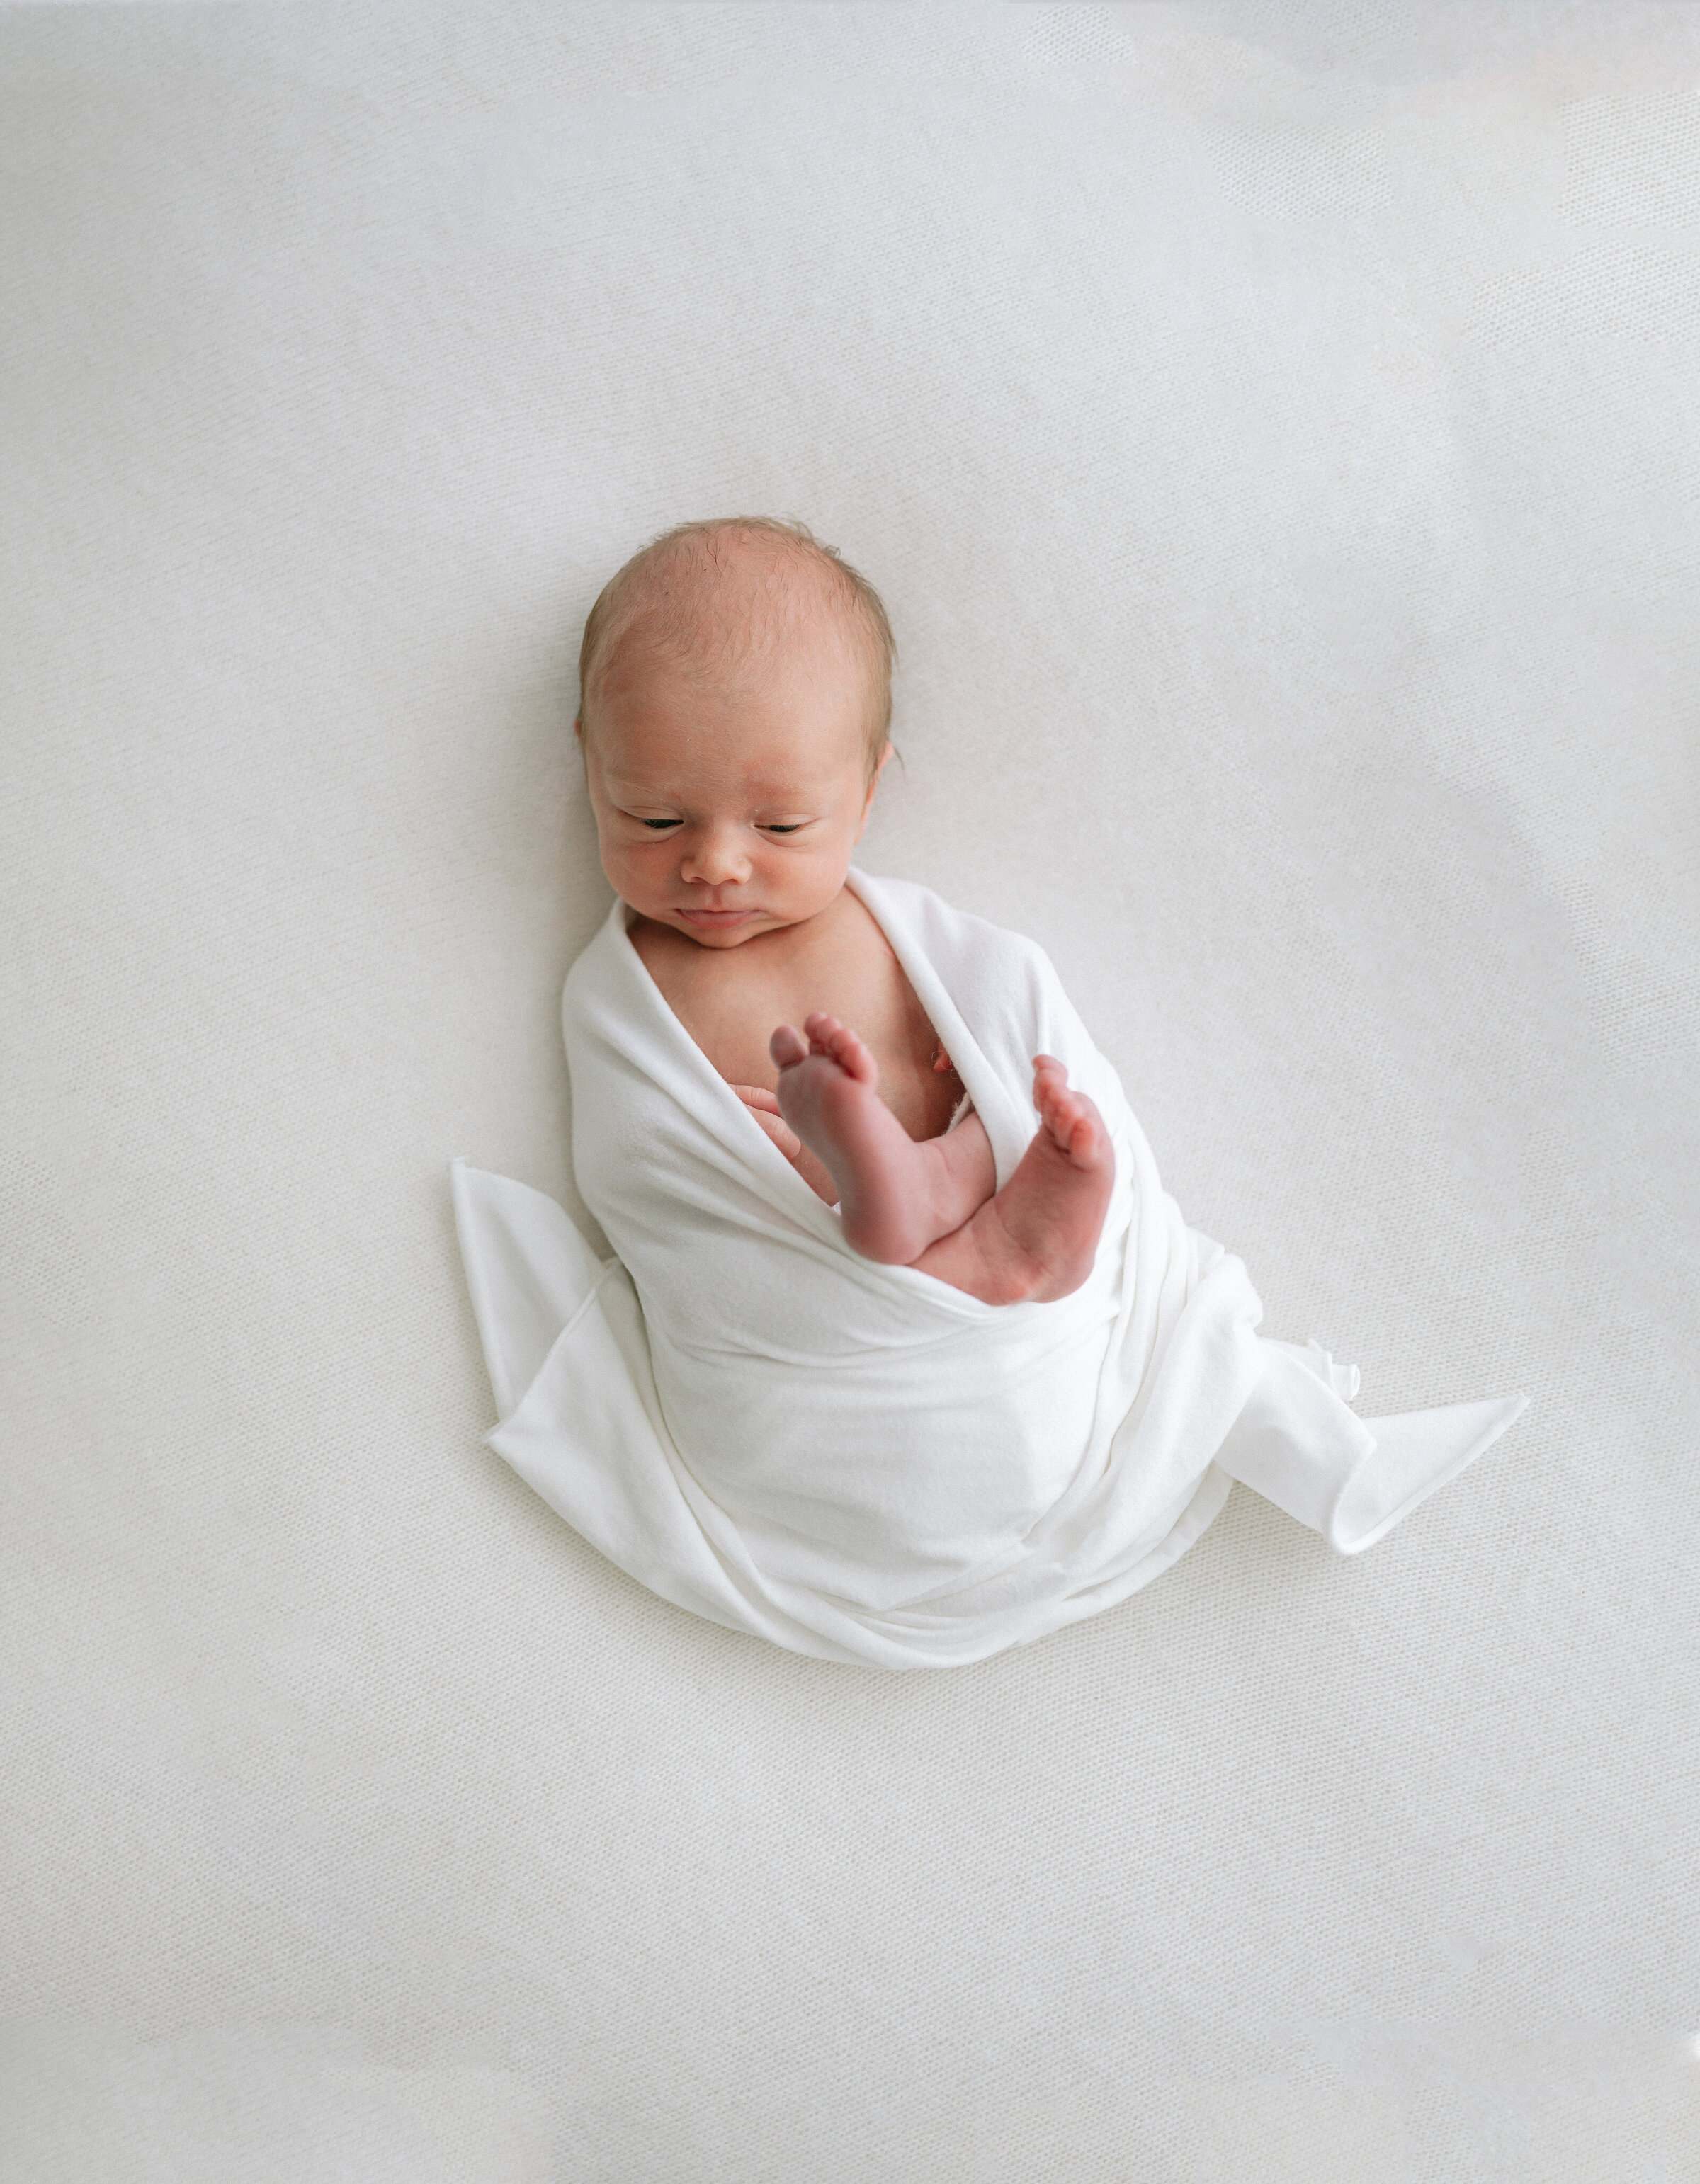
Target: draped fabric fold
column 856, row 1461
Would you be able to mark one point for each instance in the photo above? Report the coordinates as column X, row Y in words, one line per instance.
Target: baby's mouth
column 715, row 921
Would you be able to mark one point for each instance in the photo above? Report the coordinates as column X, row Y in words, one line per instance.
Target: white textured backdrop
column 1274, row 431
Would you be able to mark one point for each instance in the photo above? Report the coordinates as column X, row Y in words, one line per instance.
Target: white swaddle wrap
column 855, row 1460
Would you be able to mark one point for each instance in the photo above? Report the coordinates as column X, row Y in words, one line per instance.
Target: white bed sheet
column 1277, row 444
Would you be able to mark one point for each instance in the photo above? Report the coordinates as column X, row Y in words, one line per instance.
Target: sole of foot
column 1052, row 1208
column 829, row 1094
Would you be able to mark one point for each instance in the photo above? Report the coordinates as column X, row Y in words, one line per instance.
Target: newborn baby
column 736, row 699
column 904, row 1354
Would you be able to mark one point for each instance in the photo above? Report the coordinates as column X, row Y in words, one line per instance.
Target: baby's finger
column 780, row 1131
column 757, row 1096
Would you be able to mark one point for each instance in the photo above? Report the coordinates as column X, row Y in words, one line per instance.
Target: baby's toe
column 1087, row 1139
column 1063, row 1114
column 788, row 1047
column 837, row 1040
column 1049, row 1079
column 1049, row 1085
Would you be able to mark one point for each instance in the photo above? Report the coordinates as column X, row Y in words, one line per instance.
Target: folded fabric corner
column 1415, row 1453
column 528, row 1270
column 1351, row 1479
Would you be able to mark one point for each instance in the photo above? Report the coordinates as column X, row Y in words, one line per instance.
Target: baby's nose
column 715, row 859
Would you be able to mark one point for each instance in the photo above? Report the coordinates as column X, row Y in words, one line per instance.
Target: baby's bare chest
column 730, row 1001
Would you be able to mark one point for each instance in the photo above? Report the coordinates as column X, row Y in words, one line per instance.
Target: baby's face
column 729, row 798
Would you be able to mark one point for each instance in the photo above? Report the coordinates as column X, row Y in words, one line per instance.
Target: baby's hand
column 766, row 1109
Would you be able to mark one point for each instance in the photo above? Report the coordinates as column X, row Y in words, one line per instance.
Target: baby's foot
column 829, row 1094
column 1053, row 1207
column 1038, row 1239
column 1069, row 1116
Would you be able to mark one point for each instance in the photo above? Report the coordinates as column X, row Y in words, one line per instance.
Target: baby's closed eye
column 766, row 826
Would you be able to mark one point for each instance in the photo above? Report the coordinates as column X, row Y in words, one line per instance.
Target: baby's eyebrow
column 635, row 791
column 794, row 800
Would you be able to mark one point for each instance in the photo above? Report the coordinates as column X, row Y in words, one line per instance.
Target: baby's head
column 736, row 699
